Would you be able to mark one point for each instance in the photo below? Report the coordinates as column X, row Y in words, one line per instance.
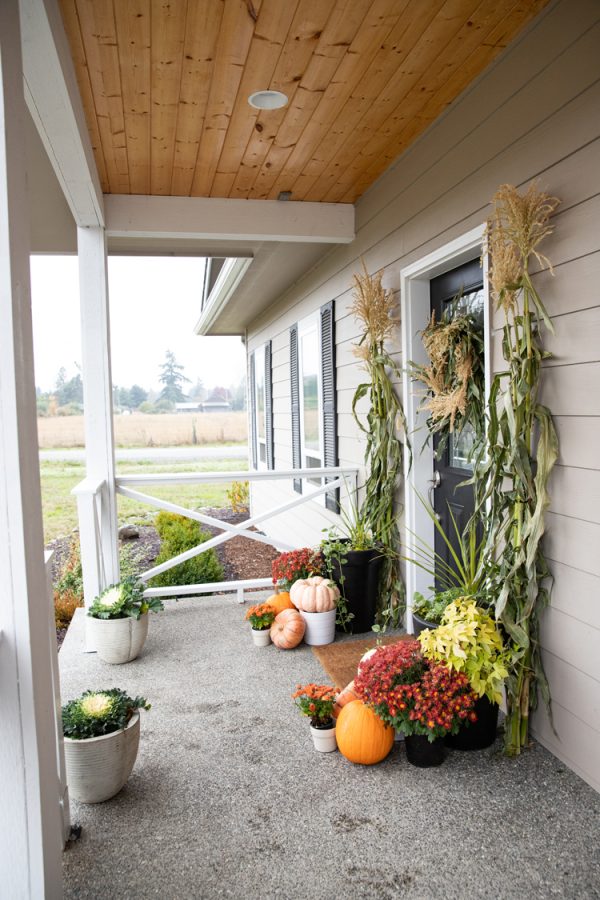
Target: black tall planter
column 422, row 752
column 480, row 734
column 358, row 581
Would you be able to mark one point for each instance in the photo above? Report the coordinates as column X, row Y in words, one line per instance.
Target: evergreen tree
column 171, row 375
column 137, row 396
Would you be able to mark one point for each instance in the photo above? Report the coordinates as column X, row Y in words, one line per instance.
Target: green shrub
column 178, row 534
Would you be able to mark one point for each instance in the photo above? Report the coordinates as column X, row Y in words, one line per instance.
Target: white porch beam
column 97, row 397
column 30, row 817
column 52, row 95
column 235, row 220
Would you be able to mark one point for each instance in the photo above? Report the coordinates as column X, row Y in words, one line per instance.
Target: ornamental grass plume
column 373, row 306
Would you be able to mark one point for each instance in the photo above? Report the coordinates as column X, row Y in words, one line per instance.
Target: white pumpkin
column 315, row 594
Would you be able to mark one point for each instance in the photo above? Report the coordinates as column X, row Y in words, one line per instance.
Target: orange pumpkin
column 361, row 735
column 288, row 629
column 280, row 601
column 343, row 698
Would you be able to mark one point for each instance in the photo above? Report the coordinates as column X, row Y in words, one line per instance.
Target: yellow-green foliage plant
column 520, row 447
column 469, row 641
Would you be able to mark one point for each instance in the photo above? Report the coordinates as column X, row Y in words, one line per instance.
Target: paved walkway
column 228, row 798
column 153, row 454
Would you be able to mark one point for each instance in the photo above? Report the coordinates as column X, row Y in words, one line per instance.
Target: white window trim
column 259, row 366
column 306, row 326
column 415, row 306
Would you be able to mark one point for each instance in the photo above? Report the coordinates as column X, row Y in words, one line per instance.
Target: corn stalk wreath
column 373, row 307
column 520, row 449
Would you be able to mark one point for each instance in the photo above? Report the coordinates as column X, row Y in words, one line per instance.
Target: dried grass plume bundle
column 373, row 306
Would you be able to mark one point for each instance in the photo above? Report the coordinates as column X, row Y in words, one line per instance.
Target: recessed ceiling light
column 267, row 100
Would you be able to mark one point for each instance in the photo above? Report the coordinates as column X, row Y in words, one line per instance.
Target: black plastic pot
column 420, row 624
column 422, row 752
column 358, row 581
column 480, row 734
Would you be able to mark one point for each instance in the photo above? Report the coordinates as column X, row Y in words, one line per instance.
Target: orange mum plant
column 316, row 701
column 261, row 616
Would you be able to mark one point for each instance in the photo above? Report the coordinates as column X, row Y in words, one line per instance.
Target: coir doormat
column 340, row 659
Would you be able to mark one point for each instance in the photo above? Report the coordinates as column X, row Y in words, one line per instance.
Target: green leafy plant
column 123, row 600
column 316, row 701
column 239, row 495
column 521, row 447
column 260, row 616
column 373, row 307
column 469, row 640
column 178, row 534
column 433, row 608
column 97, row 713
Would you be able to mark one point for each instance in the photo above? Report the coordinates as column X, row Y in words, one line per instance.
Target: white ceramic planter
column 97, row 768
column 118, row 640
column 324, row 739
column 261, row 636
column 320, row 627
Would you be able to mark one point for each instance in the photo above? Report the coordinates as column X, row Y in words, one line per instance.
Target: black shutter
column 295, row 398
column 269, row 407
column 330, row 457
column 253, row 413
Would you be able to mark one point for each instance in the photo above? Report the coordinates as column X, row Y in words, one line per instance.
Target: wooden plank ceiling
column 165, row 83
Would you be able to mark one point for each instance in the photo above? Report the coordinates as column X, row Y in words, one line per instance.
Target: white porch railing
column 89, row 498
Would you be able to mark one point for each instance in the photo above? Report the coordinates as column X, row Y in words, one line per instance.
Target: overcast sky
column 154, row 305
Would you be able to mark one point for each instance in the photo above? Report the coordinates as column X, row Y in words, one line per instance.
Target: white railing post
column 63, row 789
column 92, row 562
column 97, row 385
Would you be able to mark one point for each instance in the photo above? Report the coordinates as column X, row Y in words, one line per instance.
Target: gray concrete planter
column 97, row 768
column 118, row 641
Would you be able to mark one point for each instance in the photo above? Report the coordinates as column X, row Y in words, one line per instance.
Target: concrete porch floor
column 229, row 799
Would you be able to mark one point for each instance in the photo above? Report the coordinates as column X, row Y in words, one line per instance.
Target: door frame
column 415, row 312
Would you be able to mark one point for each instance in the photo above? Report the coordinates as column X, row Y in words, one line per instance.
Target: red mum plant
column 289, row 567
column 316, row 701
column 413, row 694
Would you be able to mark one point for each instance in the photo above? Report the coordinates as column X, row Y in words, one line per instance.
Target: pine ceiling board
column 345, row 116
column 199, row 50
column 237, row 29
column 270, row 34
column 132, row 18
column 480, row 57
column 378, row 97
column 379, row 25
column 337, row 36
column 168, row 31
column 96, row 20
column 476, row 29
column 304, row 34
column 71, row 21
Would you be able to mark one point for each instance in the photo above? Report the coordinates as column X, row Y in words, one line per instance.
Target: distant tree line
column 66, row 399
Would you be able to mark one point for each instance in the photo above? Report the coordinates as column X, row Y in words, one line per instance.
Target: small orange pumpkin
column 280, row 601
column 361, row 735
column 314, row 594
column 288, row 629
column 344, row 697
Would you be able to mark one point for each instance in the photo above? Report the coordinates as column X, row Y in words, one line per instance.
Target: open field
column 60, row 507
column 142, row 430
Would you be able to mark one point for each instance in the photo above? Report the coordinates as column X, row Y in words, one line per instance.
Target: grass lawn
column 60, row 507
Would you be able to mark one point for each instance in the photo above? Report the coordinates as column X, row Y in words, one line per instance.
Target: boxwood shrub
column 178, row 534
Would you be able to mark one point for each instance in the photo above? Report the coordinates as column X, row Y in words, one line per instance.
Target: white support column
column 97, row 391
column 30, row 819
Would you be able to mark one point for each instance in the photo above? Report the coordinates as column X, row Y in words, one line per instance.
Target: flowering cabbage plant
column 413, row 694
column 295, row 564
column 122, row 600
column 316, row 701
column 96, row 713
column 261, row 616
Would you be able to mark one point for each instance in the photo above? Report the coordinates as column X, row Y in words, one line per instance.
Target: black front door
column 452, row 467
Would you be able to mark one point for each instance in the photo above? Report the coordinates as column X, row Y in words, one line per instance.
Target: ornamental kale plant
column 413, row 694
column 295, row 564
column 97, row 713
column 123, row 600
column 261, row 616
column 316, row 701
